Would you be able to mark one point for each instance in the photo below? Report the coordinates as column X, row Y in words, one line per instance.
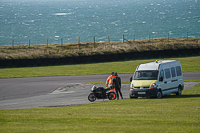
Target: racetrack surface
column 39, row 92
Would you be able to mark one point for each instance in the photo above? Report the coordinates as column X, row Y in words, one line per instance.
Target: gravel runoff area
column 70, row 88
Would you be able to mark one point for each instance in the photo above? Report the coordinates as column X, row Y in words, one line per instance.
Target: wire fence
column 78, row 42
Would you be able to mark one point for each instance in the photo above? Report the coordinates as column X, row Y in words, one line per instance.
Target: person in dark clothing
column 117, row 84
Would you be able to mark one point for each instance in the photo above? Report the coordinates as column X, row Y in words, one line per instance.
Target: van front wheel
column 159, row 94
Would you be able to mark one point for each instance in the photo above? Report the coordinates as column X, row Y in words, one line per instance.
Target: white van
column 155, row 79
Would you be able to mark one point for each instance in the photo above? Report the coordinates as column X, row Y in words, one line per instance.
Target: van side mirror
column 131, row 78
column 161, row 78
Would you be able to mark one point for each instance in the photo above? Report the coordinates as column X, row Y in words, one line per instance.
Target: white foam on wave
column 31, row 21
column 170, row 32
column 61, row 14
column 25, row 23
column 162, row 13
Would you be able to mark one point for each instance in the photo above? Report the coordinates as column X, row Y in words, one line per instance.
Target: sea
column 39, row 20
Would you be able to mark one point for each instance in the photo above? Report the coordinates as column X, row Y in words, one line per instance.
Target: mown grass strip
column 189, row 64
column 169, row 114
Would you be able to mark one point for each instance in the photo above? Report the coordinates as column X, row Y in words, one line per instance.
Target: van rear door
column 174, row 80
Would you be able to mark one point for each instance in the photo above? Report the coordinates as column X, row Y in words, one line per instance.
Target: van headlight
column 131, row 87
column 153, row 86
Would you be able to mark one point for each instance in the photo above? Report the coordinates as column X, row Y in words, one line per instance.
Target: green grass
column 169, row 114
column 189, row 64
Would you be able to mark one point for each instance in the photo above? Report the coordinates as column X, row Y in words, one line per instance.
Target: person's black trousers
column 118, row 90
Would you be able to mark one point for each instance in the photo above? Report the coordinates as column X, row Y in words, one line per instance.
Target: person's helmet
column 116, row 73
column 112, row 73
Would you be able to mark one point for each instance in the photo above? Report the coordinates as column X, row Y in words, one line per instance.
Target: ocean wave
column 61, row 14
column 25, row 23
column 74, row 18
column 31, row 21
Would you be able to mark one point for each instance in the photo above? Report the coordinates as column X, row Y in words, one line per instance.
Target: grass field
column 189, row 64
column 169, row 114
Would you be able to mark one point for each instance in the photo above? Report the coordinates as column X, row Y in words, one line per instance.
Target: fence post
column 168, row 37
column 61, row 42
column 47, row 42
column 12, row 43
column 94, row 39
column 123, row 38
column 108, row 39
column 187, row 35
column 133, row 37
column 78, row 46
column 29, row 43
column 149, row 37
column 78, row 40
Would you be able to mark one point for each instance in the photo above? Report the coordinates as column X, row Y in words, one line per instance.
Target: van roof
column 153, row 65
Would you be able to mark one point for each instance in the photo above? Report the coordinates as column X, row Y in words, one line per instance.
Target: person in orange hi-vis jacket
column 110, row 84
column 109, row 79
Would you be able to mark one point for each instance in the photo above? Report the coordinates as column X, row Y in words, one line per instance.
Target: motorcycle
column 101, row 93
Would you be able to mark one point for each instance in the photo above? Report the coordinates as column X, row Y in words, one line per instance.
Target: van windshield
column 146, row 75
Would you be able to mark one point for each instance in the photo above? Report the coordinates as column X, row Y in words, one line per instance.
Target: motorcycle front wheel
column 92, row 97
column 111, row 96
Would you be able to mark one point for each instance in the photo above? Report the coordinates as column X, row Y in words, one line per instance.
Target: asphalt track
column 39, row 92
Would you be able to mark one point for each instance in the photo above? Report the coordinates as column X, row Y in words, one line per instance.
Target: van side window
column 178, row 71
column 173, row 72
column 167, row 73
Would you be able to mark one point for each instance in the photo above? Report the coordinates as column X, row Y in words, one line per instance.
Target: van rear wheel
column 179, row 91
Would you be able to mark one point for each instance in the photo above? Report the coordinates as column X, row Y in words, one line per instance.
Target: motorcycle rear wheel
column 92, row 97
column 111, row 96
